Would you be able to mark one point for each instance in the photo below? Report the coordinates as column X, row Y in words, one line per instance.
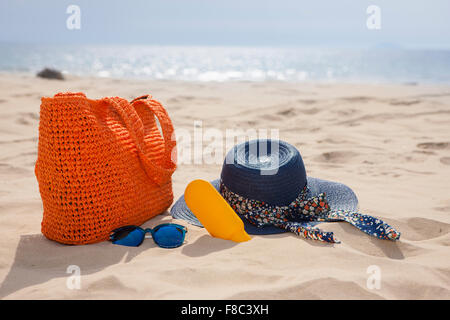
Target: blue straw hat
column 271, row 171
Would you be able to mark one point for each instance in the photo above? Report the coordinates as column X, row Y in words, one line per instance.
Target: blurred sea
column 197, row 63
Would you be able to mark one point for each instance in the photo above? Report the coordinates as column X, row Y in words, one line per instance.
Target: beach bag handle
column 159, row 173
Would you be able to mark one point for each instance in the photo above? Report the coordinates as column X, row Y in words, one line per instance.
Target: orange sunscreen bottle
column 212, row 210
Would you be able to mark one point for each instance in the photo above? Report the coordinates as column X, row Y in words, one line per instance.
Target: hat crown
column 267, row 170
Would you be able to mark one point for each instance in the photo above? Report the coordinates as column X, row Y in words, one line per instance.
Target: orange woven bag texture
column 102, row 164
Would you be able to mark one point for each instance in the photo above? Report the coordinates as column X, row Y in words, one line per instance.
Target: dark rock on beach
column 48, row 73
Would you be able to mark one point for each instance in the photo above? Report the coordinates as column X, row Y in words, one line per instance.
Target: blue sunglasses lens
column 128, row 236
column 169, row 236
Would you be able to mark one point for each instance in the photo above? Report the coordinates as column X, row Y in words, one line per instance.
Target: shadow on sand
column 206, row 245
column 39, row 259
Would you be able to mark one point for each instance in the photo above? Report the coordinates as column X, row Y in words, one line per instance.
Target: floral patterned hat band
column 295, row 216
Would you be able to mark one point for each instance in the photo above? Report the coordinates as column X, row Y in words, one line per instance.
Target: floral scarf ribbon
column 295, row 216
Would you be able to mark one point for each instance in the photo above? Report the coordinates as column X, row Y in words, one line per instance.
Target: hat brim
column 339, row 197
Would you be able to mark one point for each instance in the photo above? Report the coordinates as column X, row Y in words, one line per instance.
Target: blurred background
column 200, row 40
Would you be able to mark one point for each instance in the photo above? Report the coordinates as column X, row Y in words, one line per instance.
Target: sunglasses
column 166, row 235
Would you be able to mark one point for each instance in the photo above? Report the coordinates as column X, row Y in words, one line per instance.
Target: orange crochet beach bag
column 102, row 164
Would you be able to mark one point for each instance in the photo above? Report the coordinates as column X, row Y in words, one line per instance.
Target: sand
column 389, row 142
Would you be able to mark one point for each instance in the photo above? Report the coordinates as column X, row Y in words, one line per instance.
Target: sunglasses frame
column 152, row 232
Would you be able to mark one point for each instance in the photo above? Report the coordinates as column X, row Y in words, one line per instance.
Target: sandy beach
column 389, row 142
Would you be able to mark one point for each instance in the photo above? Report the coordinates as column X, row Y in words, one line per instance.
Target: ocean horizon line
column 329, row 45
column 232, row 63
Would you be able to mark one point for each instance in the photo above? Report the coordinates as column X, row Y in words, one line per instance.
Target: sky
column 404, row 23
